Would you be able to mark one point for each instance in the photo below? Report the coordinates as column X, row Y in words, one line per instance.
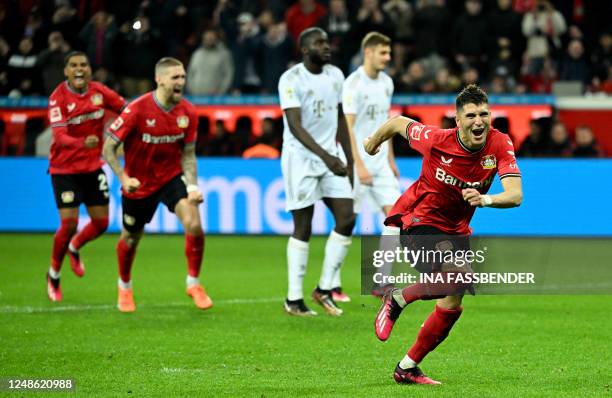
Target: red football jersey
column 73, row 117
column 448, row 167
column 153, row 140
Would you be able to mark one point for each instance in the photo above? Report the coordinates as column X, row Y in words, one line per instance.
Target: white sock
column 336, row 249
column 53, row 273
column 71, row 248
column 192, row 281
column 124, row 285
column 388, row 242
column 399, row 298
column 297, row 260
column 336, row 281
column 407, row 363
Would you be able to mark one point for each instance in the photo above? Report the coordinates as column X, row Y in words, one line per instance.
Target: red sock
column 434, row 330
column 92, row 230
column 430, row 291
column 61, row 239
column 194, row 250
column 125, row 257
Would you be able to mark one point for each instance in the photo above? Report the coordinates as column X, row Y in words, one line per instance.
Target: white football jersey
column 370, row 101
column 318, row 97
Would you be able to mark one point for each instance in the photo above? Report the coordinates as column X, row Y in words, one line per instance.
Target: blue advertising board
column 561, row 198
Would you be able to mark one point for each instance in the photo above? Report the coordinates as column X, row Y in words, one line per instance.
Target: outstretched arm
column 392, row 127
column 512, row 195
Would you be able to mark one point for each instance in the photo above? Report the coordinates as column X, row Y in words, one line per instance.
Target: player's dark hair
column 374, row 39
column 471, row 94
column 166, row 62
column 74, row 54
column 306, row 34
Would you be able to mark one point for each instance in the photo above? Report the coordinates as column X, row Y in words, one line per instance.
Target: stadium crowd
column 439, row 46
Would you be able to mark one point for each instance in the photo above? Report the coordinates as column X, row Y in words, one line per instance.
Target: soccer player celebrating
column 76, row 115
column 310, row 96
column 158, row 131
column 366, row 98
column 458, row 167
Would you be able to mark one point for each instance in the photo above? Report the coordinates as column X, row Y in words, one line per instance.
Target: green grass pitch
column 509, row 346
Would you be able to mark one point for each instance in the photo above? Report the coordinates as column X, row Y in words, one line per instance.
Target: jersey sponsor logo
column 97, row 99
column 445, row 161
column 488, row 162
column 372, row 111
column 446, row 178
column 71, row 107
column 55, row 114
column 319, row 108
column 182, row 122
column 162, row 139
column 87, row 116
column 117, row 123
column 67, row 196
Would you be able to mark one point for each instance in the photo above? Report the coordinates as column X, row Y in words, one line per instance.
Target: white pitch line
column 13, row 309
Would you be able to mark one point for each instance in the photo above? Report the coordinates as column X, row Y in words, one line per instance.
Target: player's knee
column 101, row 224
column 345, row 224
column 450, row 302
column 70, row 225
column 193, row 226
column 302, row 232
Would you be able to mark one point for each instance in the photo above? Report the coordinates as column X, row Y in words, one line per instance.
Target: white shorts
column 384, row 191
column 307, row 180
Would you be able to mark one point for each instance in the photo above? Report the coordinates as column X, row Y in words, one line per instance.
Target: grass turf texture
column 246, row 346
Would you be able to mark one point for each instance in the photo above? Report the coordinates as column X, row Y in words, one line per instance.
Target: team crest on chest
column 488, row 162
column 182, row 122
column 96, row 99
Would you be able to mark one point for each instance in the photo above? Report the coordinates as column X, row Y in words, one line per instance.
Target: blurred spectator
column 500, row 82
column 23, row 75
column 541, row 83
column 601, row 58
column 445, row 83
column 98, row 36
column 542, row 26
column 414, row 79
column 574, row 65
column 139, row 51
column 244, row 49
column 4, row 57
column 535, row 145
column 277, row 45
column 36, row 30
column 266, row 145
column 431, row 28
column 302, row 15
column 370, row 17
column 51, row 62
column 211, row 68
column 447, row 122
column 586, row 145
column 470, row 35
column 168, row 17
column 469, row 76
column 221, row 142
column 502, row 124
column 505, row 31
column 400, row 14
column 338, row 26
column 65, row 21
column 560, row 145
